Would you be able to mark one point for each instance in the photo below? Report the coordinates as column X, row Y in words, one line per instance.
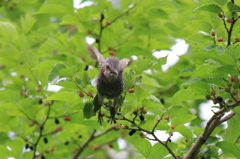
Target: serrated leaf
column 64, row 96
column 229, row 147
column 8, row 29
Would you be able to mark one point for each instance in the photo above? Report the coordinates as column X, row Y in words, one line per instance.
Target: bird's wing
column 95, row 54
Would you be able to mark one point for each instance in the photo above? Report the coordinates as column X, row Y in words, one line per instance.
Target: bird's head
column 110, row 68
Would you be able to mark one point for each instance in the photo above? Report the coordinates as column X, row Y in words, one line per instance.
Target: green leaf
column 187, row 133
column 30, row 58
column 221, row 2
column 88, row 110
column 152, row 101
column 142, row 145
column 224, row 59
column 182, row 119
column 185, row 95
column 141, row 93
column 229, row 147
column 232, row 132
column 143, row 65
column 66, row 83
column 158, row 151
column 64, row 96
column 96, row 104
column 27, row 23
column 49, row 64
column 233, row 7
column 8, row 29
column 53, row 9
column 210, row 8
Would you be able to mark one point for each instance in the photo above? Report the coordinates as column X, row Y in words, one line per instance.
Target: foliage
column 43, row 43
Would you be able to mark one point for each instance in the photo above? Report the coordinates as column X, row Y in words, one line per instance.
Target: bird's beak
column 114, row 72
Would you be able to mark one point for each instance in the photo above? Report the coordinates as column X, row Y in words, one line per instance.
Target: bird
column 110, row 83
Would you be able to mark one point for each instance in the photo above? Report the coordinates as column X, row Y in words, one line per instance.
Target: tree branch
column 79, row 151
column 91, row 138
column 217, row 119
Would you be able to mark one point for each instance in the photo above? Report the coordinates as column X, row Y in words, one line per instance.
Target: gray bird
column 110, row 82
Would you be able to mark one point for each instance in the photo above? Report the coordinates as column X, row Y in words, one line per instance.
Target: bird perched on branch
column 110, row 82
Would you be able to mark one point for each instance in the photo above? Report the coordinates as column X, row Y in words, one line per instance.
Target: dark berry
column 26, row 146
column 102, row 16
column 31, row 147
column 66, row 143
column 57, row 121
column 45, row 140
column 219, row 99
column 97, row 40
column 130, row 133
column 86, row 68
column 80, row 136
column 208, row 97
column 135, row 112
column 162, row 101
column 141, row 117
column 40, row 101
column 133, row 130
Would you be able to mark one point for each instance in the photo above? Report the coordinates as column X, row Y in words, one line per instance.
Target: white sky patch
column 77, row 4
column 180, row 48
